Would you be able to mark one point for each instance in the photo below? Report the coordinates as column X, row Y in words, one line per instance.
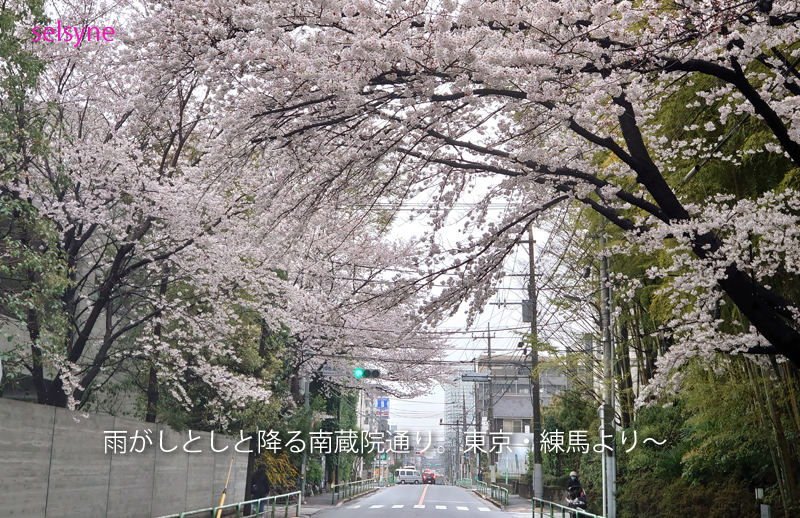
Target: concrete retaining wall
column 555, row 494
column 54, row 464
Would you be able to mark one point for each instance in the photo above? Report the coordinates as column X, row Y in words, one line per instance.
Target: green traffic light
column 358, row 373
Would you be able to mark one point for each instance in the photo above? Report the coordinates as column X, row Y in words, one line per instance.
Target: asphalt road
column 416, row 501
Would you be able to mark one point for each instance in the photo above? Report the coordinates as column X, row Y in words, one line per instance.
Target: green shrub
column 554, row 481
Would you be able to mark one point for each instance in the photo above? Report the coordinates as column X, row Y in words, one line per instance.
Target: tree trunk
column 152, row 378
column 625, row 382
column 790, row 468
column 760, row 406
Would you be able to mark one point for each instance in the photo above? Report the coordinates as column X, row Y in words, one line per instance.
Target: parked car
column 429, row 477
column 408, row 476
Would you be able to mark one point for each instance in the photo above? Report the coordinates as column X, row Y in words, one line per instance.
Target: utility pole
column 303, row 467
column 339, row 425
column 492, row 461
column 457, row 459
column 464, row 413
column 607, row 410
column 538, row 488
column 477, row 418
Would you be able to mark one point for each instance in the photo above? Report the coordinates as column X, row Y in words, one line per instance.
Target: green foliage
column 648, row 495
column 570, row 411
column 314, row 472
column 573, row 411
column 33, row 273
column 555, row 481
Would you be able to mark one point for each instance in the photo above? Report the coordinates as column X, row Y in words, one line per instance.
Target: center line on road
column 425, row 490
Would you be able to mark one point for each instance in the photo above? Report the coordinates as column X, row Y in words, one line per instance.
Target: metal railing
column 351, row 489
column 559, row 511
column 464, row 482
column 250, row 508
column 496, row 493
column 499, row 494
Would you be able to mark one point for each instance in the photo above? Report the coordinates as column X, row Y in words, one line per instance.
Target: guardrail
column 499, row 494
column 496, row 493
column 351, row 489
column 464, row 482
column 560, row 511
column 269, row 505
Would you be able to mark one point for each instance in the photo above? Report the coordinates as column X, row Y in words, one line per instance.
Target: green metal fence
column 496, row 493
column 499, row 494
column 351, row 489
column 272, row 507
column 559, row 511
column 464, row 482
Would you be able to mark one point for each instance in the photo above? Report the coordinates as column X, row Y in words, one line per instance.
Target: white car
column 408, row 476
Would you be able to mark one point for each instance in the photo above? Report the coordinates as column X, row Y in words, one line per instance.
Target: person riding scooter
column 576, row 498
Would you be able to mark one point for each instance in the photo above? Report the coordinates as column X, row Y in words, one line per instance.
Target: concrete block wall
column 130, row 487
column 26, row 439
column 53, row 464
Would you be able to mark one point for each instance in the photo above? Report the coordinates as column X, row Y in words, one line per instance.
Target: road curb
column 320, row 507
column 495, row 502
column 350, row 499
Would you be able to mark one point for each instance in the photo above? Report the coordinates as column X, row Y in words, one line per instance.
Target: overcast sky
column 503, row 315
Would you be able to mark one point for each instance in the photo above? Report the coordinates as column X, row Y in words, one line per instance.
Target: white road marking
column 441, row 507
column 419, row 506
column 376, row 506
column 354, row 506
column 398, row 506
column 462, row 508
column 483, row 508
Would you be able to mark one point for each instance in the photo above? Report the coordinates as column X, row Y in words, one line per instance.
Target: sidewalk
column 516, row 504
column 312, row 504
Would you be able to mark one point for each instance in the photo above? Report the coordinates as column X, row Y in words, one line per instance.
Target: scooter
column 576, row 499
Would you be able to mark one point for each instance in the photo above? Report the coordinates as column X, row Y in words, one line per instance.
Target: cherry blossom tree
column 228, row 133
column 556, row 101
column 169, row 234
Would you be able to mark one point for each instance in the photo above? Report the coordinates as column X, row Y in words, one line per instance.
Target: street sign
column 382, row 408
column 477, row 377
column 330, row 372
